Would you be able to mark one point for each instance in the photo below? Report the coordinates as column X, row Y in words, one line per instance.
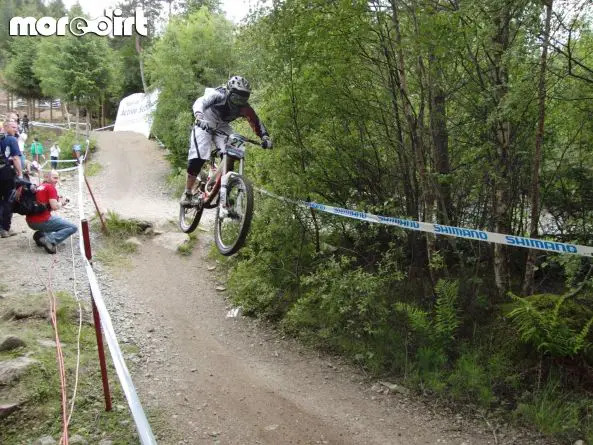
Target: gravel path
column 226, row 381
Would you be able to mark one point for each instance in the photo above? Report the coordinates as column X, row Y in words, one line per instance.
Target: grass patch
column 39, row 389
column 93, row 168
column 551, row 410
column 119, row 227
column 187, row 247
column 114, row 250
column 115, row 255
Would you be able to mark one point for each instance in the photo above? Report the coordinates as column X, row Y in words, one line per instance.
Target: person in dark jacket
column 10, row 169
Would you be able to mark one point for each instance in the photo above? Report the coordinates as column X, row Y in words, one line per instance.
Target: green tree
column 83, row 71
column 194, row 52
column 19, row 73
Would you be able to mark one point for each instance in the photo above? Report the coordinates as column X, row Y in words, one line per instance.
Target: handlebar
column 222, row 133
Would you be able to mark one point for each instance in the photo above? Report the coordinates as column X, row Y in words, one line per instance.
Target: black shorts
column 194, row 166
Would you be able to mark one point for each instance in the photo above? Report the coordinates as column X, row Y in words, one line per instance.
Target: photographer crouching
column 51, row 230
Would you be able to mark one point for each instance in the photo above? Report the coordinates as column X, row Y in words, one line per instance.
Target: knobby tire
column 235, row 182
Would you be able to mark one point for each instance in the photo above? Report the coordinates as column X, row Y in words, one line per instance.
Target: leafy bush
column 544, row 326
column 279, row 254
column 195, row 51
column 67, row 140
column 348, row 310
column 437, row 330
column 470, row 379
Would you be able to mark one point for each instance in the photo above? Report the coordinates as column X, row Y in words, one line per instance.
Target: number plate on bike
column 236, row 152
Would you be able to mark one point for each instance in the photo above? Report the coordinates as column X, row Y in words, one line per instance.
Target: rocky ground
column 218, row 379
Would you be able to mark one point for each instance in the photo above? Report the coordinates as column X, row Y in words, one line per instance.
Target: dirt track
column 233, row 381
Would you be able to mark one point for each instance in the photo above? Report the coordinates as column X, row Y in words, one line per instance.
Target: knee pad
column 194, row 166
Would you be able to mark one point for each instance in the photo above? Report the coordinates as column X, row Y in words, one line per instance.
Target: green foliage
column 114, row 251
column 40, row 386
column 187, row 247
column 19, row 71
column 439, row 329
column 194, row 52
column 121, row 227
column 66, row 141
column 176, row 181
column 279, row 253
column 93, row 168
column 545, row 327
column 81, row 70
column 447, row 317
column 471, row 380
column 347, row 310
column 551, row 410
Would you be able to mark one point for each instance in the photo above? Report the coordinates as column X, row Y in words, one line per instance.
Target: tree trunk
column 102, row 121
column 51, row 110
column 77, row 120
column 440, row 140
column 502, row 140
column 141, row 61
column 65, row 112
column 422, row 251
column 88, row 123
column 539, row 140
column 415, row 241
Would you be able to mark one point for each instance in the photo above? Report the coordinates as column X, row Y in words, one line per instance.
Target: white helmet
column 239, row 84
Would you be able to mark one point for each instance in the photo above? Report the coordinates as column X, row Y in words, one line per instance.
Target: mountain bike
column 234, row 209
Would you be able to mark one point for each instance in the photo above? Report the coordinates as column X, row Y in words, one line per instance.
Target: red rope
column 59, row 354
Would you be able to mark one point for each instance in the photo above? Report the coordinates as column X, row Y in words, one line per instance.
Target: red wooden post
column 87, row 250
column 105, row 231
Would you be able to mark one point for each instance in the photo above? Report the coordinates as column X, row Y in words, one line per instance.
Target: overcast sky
column 235, row 9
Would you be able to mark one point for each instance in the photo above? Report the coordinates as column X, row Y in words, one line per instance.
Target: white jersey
column 54, row 151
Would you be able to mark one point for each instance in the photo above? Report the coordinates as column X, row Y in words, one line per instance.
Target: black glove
column 204, row 125
column 266, row 142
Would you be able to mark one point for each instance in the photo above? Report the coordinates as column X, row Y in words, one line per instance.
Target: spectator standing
column 76, row 149
column 36, row 149
column 25, row 124
column 10, row 168
column 54, row 154
column 21, row 139
column 51, row 230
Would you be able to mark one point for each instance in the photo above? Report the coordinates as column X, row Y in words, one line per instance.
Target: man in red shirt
column 51, row 230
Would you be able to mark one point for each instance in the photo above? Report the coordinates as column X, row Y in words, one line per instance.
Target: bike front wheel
column 232, row 223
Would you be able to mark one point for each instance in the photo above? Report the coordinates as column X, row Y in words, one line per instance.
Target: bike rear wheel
column 189, row 216
column 232, row 225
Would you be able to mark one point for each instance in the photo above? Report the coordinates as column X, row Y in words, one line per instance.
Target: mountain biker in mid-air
column 213, row 111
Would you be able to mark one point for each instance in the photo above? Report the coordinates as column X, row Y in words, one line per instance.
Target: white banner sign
column 135, row 113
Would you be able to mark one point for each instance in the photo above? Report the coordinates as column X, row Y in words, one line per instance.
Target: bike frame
column 209, row 197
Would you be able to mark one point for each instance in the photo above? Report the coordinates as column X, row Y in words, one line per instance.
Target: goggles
column 238, row 98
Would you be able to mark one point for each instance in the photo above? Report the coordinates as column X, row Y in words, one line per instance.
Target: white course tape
column 142, row 425
column 104, row 128
column 59, row 161
column 438, row 229
column 47, row 125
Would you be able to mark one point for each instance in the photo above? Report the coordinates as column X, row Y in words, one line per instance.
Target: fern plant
column 446, row 319
column 438, row 328
column 547, row 329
